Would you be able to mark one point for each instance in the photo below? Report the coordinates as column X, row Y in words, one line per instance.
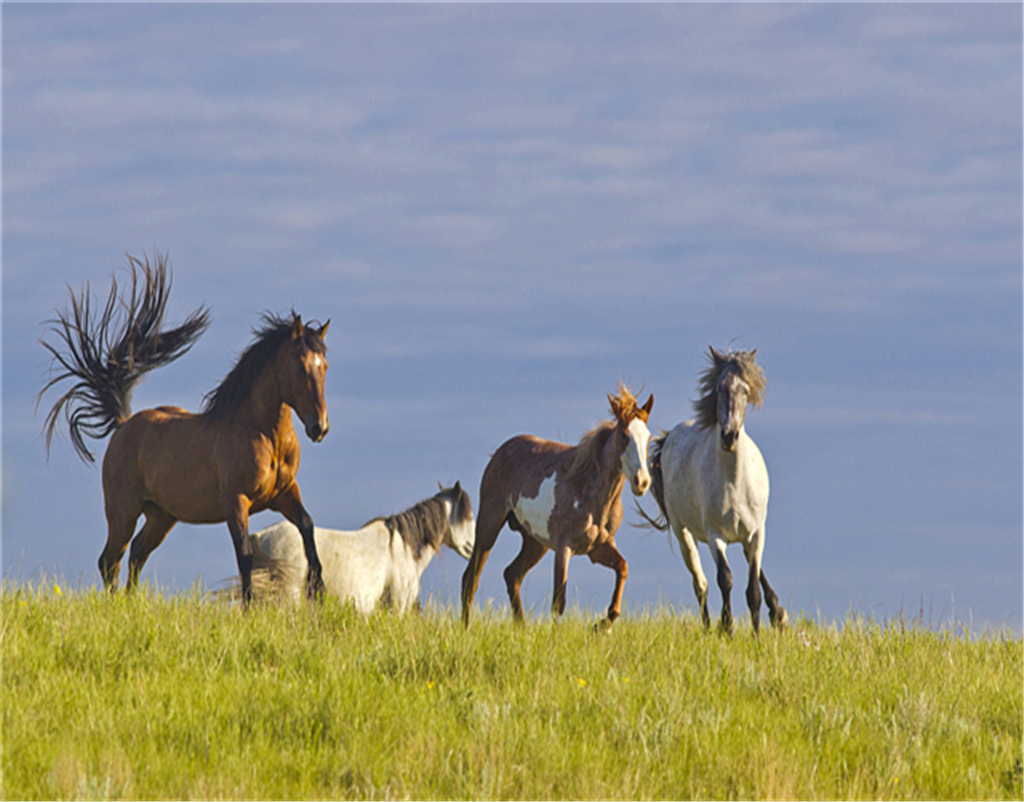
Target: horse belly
column 355, row 566
column 534, row 514
column 161, row 457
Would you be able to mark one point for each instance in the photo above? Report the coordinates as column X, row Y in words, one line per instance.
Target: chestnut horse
column 566, row 498
column 238, row 456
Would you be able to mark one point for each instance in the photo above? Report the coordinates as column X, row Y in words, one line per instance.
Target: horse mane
column 236, row 387
column 740, row 362
column 588, row 450
column 424, row 524
column 625, row 409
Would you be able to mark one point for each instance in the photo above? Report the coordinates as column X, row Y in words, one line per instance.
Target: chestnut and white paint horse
column 711, row 484
column 379, row 564
column 565, row 498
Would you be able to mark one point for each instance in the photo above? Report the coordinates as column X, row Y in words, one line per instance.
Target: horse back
column 518, row 468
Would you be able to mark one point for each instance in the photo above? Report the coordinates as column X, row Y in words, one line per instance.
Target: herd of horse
column 240, row 455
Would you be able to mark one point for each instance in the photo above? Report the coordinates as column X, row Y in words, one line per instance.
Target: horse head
column 302, row 371
column 461, row 533
column 738, row 381
column 632, row 437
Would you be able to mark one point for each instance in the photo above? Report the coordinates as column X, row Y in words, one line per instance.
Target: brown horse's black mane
column 236, row 387
column 424, row 524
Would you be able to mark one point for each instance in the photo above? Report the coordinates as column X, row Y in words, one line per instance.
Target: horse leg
column 158, row 524
column 717, row 545
column 688, row 546
column 753, row 549
column 607, row 554
column 488, row 525
column 289, row 504
column 562, row 556
column 776, row 612
column 529, row 555
column 236, row 511
column 120, row 528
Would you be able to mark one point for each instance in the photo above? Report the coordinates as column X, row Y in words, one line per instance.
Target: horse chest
column 277, row 475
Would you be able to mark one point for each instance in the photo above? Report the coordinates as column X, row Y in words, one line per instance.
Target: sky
column 506, row 209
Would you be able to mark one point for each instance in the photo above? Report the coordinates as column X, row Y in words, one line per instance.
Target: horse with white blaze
column 564, row 498
column 379, row 564
column 711, row 484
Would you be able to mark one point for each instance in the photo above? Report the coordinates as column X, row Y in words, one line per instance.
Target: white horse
column 711, row 484
column 380, row 563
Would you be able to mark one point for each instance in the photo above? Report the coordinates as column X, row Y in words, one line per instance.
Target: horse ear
column 753, row 354
column 297, row 327
column 649, row 405
column 323, row 329
column 458, row 488
column 440, row 486
column 716, row 357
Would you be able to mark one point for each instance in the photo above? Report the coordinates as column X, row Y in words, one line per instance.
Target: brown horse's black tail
column 657, row 485
column 108, row 356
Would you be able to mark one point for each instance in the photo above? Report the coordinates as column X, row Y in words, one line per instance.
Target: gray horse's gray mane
column 425, row 524
column 739, row 362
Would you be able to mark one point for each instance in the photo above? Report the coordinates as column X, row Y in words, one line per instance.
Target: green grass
column 158, row 696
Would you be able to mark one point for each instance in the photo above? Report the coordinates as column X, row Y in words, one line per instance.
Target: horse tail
column 271, row 577
column 657, row 485
column 108, row 356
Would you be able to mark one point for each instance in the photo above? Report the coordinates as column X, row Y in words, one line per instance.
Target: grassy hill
column 159, row 696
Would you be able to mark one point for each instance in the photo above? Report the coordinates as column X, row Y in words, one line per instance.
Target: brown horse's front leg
column 236, row 512
column 606, row 554
column 289, row 504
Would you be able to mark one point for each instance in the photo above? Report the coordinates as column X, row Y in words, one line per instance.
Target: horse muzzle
column 317, row 432
column 729, row 441
column 640, row 484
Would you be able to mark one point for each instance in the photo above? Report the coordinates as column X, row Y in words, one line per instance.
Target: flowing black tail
column 657, row 485
column 110, row 355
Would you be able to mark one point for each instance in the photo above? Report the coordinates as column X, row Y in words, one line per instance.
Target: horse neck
column 267, row 408
column 607, row 486
column 730, row 463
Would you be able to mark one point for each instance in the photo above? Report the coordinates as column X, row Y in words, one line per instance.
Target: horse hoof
column 727, row 628
column 603, row 627
column 779, row 621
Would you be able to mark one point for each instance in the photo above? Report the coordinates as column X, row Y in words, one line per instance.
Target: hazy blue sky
column 504, row 209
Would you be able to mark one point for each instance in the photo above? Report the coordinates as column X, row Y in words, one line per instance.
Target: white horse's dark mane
column 425, row 524
column 740, row 362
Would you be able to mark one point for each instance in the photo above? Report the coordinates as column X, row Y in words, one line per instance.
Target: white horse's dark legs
column 776, row 613
column 754, row 596
column 724, row 584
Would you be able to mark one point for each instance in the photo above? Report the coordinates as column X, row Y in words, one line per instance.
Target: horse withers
column 565, row 498
column 238, row 456
column 711, row 484
column 378, row 565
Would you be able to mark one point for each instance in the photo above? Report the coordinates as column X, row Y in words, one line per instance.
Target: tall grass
column 156, row 696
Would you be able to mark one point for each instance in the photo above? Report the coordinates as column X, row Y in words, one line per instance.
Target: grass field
column 177, row 696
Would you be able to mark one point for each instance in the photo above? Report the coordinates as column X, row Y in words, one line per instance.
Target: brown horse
column 566, row 498
column 238, row 456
